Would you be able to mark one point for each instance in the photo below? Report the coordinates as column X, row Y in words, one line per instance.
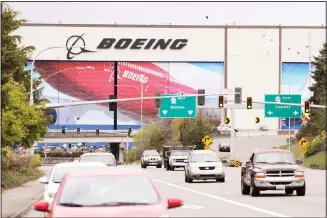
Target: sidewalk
column 17, row 201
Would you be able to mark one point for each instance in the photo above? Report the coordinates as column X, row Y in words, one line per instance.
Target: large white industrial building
column 252, row 56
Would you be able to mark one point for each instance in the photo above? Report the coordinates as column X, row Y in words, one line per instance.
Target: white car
column 177, row 159
column 203, row 165
column 151, row 158
column 104, row 157
column 59, row 171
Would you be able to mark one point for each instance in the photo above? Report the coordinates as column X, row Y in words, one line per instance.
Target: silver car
column 203, row 165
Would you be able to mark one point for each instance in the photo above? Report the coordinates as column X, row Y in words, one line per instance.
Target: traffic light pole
column 232, row 133
column 115, row 92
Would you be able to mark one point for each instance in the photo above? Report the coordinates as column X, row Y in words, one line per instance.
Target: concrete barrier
column 55, row 160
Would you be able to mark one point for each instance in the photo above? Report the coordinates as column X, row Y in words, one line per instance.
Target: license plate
column 280, row 187
column 153, row 163
column 206, row 168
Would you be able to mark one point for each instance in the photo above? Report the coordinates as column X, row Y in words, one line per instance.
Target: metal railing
column 87, row 134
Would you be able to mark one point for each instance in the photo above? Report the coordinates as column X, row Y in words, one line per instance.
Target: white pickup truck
column 177, row 159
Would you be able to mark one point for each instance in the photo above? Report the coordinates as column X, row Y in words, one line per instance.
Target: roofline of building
column 176, row 26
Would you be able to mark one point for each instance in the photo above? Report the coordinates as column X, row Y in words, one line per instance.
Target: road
column 245, row 145
column 211, row 199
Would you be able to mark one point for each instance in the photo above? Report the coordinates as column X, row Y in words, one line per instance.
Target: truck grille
column 280, row 173
column 280, row 183
column 206, row 168
column 180, row 160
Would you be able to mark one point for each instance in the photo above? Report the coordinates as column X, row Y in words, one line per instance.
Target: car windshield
column 107, row 159
column 108, row 191
column 204, row 157
column 275, row 157
column 60, row 172
column 151, row 153
column 180, row 153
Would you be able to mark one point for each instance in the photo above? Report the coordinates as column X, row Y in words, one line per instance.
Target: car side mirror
column 185, row 161
column 42, row 206
column 298, row 161
column 174, row 202
column 43, row 180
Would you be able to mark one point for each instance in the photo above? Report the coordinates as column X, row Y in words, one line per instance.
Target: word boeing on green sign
column 178, row 106
column 282, row 111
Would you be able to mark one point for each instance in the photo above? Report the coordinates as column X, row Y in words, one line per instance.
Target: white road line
column 271, row 213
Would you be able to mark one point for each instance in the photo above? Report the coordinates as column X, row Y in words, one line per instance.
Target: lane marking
column 192, row 207
column 271, row 213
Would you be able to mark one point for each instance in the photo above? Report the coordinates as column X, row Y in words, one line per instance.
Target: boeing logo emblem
column 71, row 45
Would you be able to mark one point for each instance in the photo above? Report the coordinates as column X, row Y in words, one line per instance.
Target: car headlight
column 299, row 174
column 52, row 194
column 260, row 175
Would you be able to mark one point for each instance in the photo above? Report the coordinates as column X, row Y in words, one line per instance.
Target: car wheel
column 254, row 191
column 172, row 168
column 144, row 166
column 244, row 188
column 190, row 180
column 301, row 191
column 159, row 166
column 289, row 191
column 222, row 179
column 167, row 168
column 186, row 179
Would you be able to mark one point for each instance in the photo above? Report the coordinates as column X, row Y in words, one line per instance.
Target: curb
column 22, row 212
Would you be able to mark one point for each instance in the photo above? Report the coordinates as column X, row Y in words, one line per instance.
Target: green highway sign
column 178, row 107
column 283, row 111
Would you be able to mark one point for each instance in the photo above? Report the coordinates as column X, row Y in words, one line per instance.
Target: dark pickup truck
column 166, row 150
column 273, row 169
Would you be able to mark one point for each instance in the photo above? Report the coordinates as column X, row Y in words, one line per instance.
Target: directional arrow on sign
column 164, row 112
column 270, row 112
column 295, row 112
column 190, row 112
column 257, row 119
column 303, row 142
column 227, row 120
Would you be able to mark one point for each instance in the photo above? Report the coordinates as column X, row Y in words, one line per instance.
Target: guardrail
column 89, row 134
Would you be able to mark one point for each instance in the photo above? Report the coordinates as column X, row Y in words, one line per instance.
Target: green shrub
column 77, row 153
column 36, row 161
column 316, row 145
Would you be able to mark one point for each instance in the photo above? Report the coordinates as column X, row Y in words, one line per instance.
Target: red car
column 115, row 192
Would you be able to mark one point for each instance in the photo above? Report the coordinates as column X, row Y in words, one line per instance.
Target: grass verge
column 16, row 178
column 316, row 161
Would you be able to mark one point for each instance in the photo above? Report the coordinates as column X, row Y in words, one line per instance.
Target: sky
column 189, row 13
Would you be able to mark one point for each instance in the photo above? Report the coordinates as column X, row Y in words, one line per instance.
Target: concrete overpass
column 110, row 136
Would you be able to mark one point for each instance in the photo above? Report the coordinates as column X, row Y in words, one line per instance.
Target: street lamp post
column 32, row 68
column 141, row 94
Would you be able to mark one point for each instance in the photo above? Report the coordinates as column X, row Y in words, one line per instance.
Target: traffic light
column 97, row 132
column 238, row 97
column 307, row 107
column 112, row 105
column 221, row 101
column 78, row 130
column 69, row 146
column 201, row 99
column 129, row 131
column 249, row 103
column 63, row 130
column 158, row 100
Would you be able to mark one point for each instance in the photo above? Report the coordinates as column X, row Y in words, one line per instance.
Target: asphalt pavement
column 211, row 199
column 245, row 145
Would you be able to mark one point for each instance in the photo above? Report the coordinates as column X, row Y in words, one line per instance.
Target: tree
column 15, row 56
column 21, row 123
column 192, row 131
column 154, row 136
column 317, row 122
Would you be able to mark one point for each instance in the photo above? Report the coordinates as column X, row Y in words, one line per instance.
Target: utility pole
column 115, row 92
